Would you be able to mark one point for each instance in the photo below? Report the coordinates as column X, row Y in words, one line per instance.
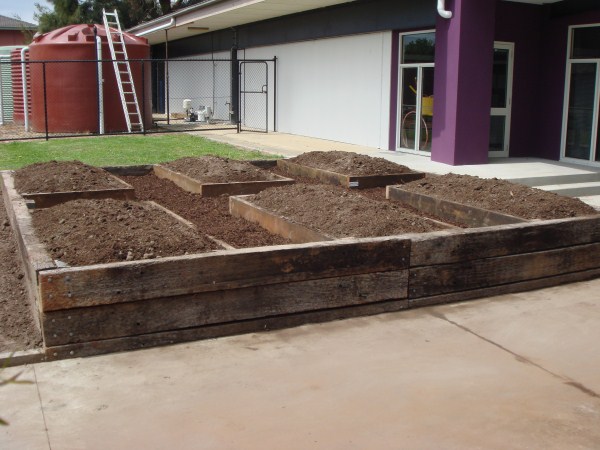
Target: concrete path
column 519, row 371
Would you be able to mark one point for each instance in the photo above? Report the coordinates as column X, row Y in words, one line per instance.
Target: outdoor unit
column 205, row 113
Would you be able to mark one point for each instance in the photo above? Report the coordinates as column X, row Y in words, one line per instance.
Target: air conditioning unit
column 205, row 113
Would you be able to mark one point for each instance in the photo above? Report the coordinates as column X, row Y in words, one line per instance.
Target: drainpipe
column 100, row 84
column 24, row 81
column 169, row 24
column 441, row 7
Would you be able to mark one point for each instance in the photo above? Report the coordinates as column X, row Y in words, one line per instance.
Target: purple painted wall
column 463, row 80
column 522, row 24
column 554, row 57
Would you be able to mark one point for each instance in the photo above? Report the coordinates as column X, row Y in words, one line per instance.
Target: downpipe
column 24, row 82
column 100, row 85
column 442, row 11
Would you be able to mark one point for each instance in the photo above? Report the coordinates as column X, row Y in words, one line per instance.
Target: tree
column 131, row 12
column 66, row 12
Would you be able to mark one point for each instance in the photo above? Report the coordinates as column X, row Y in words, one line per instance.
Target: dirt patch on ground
column 500, row 195
column 349, row 163
column 219, row 170
column 63, row 176
column 83, row 232
column 17, row 328
column 209, row 214
column 341, row 213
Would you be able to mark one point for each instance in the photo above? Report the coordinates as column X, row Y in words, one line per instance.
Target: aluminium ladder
column 118, row 53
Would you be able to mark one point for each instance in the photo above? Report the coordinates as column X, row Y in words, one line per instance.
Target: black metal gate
column 254, row 96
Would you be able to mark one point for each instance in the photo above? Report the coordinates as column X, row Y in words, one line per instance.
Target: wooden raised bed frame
column 47, row 199
column 123, row 306
column 215, row 189
column 448, row 210
column 239, row 206
column 347, row 181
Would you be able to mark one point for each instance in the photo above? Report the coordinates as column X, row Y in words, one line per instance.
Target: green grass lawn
column 118, row 150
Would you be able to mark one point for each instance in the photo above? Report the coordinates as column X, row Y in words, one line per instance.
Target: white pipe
column 441, row 7
column 24, row 82
column 157, row 28
column 100, row 83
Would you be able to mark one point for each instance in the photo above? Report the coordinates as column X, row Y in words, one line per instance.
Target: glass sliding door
column 581, row 138
column 501, row 99
column 581, row 109
column 415, row 112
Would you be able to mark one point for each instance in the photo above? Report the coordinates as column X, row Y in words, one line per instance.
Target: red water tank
column 64, row 82
column 17, row 85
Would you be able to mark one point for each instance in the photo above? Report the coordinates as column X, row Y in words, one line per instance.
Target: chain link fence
column 83, row 98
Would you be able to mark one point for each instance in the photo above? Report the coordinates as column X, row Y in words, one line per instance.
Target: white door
column 501, row 99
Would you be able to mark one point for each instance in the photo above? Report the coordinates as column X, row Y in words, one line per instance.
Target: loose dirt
column 500, row 195
column 341, row 213
column 99, row 235
column 209, row 214
column 63, row 176
column 349, row 163
column 219, row 170
column 83, row 232
column 17, row 329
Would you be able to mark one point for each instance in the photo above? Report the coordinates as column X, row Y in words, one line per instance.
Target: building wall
column 336, row 89
column 522, row 24
column 11, row 37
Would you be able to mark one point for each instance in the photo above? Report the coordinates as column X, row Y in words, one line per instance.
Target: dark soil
column 341, row 213
column 209, row 214
column 17, row 329
column 500, row 195
column 349, row 163
column 63, row 176
column 83, row 232
column 219, row 170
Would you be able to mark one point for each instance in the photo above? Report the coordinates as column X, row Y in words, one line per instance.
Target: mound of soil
column 62, row 176
column 500, row 195
column 17, row 328
column 83, row 232
column 214, row 169
column 349, row 163
column 209, row 214
column 341, row 213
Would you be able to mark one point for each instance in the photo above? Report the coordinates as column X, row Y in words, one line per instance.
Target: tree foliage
column 131, row 12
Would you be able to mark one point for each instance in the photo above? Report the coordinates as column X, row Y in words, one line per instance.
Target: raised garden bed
column 348, row 170
column 126, row 305
column 46, row 183
column 469, row 216
column 499, row 196
column 212, row 176
column 305, row 213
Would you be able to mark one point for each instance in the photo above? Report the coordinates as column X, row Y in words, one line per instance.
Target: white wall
column 336, row 89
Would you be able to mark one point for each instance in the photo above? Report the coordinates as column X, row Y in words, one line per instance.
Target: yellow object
column 427, row 106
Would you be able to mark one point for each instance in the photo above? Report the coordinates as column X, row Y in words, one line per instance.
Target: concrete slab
column 403, row 380
column 20, row 407
column 552, row 328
